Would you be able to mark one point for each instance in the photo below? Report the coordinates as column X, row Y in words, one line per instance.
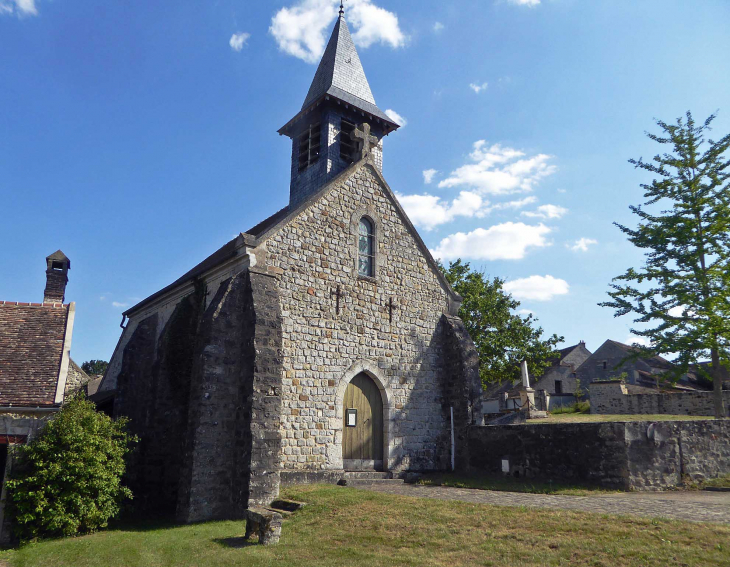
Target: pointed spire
column 340, row 76
column 340, row 67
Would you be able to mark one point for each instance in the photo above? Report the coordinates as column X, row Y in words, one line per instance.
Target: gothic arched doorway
column 362, row 438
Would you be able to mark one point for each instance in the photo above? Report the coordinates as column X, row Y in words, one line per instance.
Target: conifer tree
column 682, row 292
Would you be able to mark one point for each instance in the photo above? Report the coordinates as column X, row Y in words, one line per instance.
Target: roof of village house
column 562, row 353
column 655, row 361
column 340, row 76
column 32, row 338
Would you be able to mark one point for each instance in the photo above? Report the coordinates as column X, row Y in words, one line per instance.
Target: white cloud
column 119, row 304
column 562, row 191
column 437, row 27
column 397, row 118
column 515, row 204
column 301, row 30
column 525, row 312
column 537, row 288
column 641, row 341
column 499, row 170
column 428, row 211
column 506, row 241
column 428, row 175
column 478, row 88
column 21, row 7
column 530, row 3
column 238, row 40
column 582, row 244
column 546, row 212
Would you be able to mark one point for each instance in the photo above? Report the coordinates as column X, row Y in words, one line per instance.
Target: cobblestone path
column 694, row 506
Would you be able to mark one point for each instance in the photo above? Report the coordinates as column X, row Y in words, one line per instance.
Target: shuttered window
column 309, row 144
column 347, row 144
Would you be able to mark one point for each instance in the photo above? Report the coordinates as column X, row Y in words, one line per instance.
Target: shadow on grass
column 234, row 542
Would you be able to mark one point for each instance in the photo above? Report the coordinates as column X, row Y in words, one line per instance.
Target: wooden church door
column 362, row 443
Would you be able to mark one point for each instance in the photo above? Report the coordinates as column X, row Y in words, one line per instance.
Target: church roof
column 340, row 76
column 341, row 68
column 269, row 226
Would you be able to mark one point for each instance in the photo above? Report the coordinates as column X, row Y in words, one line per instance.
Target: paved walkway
column 695, row 506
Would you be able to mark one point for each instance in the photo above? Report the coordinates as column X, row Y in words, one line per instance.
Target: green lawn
column 598, row 418
column 510, row 484
column 349, row 527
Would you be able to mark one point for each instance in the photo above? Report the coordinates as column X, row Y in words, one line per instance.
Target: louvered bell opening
column 347, row 145
column 309, row 145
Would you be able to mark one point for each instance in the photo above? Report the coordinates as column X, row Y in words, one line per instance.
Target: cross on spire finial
column 361, row 136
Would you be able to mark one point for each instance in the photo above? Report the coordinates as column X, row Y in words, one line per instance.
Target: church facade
column 323, row 339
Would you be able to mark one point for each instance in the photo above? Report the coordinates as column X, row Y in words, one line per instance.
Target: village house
column 324, row 339
column 612, row 361
column 36, row 370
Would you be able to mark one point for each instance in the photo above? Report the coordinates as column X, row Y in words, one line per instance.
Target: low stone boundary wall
column 628, row 455
column 612, row 397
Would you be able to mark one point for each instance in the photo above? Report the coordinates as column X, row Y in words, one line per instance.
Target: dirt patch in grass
column 598, row 418
column 344, row 526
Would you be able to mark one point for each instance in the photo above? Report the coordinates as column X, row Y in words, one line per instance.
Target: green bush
column 67, row 480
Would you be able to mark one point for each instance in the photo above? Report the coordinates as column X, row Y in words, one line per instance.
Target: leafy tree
column 68, row 479
column 503, row 338
column 683, row 289
column 94, row 367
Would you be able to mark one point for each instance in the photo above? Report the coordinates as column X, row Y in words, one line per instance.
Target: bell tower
column 327, row 133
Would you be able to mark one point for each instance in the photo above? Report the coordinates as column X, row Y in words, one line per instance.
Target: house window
column 558, row 386
column 366, row 248
column 347, row 144
column 605, row 364
column 309, row 143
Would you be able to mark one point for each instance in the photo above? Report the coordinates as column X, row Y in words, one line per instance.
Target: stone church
column 322, row 340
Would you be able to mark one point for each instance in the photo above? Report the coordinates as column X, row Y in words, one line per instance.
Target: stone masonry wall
column 316, row 253
column 576, row 452
column 627, row 455
column 231, row 457
column 154, row 389
column 462, row 386
column 611, row 397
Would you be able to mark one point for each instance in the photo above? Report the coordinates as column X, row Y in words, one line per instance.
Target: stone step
column 355, row 482
column 352, row 475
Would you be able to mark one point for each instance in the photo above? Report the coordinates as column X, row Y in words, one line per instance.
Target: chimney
column 57, row 267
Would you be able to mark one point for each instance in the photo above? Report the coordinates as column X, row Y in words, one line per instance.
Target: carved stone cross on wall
column 365, row 142
column 337, row 294
column 391, row 306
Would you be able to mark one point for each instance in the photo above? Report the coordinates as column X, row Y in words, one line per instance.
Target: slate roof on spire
column 340, row 75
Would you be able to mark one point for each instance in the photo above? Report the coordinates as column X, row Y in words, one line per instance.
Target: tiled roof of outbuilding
column 32, row 339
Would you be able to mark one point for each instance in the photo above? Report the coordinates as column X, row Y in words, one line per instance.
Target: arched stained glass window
column 366, row 248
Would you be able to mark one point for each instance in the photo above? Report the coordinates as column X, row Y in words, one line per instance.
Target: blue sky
column 138, row 137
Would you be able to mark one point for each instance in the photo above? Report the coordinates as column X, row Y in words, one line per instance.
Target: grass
column 600, row 418
column 577, row 407
column 721, row 482
column 345, row 526
column 510, row 484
